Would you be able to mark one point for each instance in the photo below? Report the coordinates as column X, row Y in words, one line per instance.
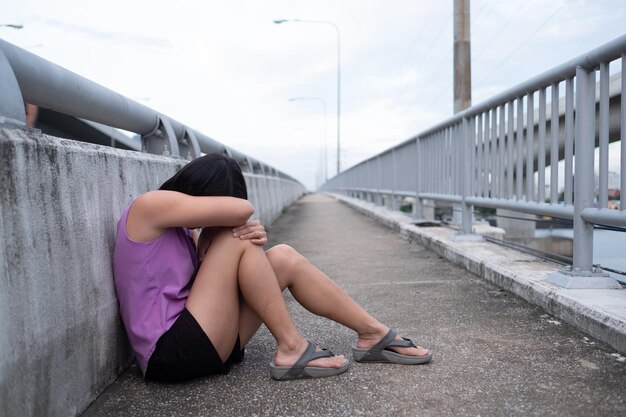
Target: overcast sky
column 223, row 67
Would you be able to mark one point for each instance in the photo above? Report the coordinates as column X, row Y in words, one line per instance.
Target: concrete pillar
column 462, row 56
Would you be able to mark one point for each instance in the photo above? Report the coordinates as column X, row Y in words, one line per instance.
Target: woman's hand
column 252, row 230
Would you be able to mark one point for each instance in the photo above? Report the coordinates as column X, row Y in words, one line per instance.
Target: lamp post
column 325, row 22
column 324, row 160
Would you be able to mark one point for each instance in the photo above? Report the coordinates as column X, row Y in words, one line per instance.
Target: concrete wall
column 61, row 339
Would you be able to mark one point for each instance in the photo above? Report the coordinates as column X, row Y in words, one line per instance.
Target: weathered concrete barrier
column 61, row 339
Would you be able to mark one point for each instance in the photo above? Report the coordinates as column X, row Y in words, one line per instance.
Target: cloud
column 120, row 37
column 225, row 69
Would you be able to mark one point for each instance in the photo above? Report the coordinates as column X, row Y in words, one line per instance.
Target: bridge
column 511, row 333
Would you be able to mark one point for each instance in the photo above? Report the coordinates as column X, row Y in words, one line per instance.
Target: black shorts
column 186, row 352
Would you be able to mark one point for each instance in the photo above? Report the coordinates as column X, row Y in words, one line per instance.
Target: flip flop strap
column 390, row 341
column 297, row 370
column 384, row 342
column 311, row 354
column 404, row 342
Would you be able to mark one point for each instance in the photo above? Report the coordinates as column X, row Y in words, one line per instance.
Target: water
column 609, row 247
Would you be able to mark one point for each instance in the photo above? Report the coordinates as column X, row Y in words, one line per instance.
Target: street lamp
column 324, row 22
column 325, row 150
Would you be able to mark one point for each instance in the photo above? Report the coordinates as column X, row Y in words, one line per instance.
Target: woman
column 190, row 303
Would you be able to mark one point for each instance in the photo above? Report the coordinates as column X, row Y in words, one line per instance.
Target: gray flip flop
column 299, row 370
column 381, row 352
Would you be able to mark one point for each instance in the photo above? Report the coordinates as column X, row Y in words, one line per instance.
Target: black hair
column 210, row 175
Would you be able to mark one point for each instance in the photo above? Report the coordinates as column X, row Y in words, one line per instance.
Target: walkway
column 495, row 354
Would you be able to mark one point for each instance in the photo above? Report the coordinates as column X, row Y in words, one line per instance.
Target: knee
column 285, row 259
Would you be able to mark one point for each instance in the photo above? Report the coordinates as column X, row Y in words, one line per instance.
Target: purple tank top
column 152, row 281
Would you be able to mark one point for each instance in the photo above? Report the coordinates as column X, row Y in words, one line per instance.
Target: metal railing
column 489, row 154
column 28, row 78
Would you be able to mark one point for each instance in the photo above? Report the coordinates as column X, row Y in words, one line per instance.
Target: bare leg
column 322, row 296
column 229, row 267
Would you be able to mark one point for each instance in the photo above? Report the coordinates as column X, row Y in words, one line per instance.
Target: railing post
column 368, row 184
column 466, row 150
column 622, row 181
column 162, row 140
column 418, row 207
column 394, row 181
column 249, row 165
column 379, row 197
column 189, row 147
column 583, row 274
column 584, row 143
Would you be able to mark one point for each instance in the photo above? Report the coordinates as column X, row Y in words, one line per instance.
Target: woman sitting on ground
column 191, row 301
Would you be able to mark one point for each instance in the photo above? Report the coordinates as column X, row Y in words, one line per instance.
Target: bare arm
column 152, row 213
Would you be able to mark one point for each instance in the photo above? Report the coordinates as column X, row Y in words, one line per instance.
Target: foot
column 368, row 340
column 287, row 356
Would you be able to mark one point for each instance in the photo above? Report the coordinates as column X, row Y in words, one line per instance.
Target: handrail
column 488, row 155
column 590, row 60
column 51, row 86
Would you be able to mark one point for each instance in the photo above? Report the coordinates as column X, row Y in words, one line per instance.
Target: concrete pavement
column 495, row 354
